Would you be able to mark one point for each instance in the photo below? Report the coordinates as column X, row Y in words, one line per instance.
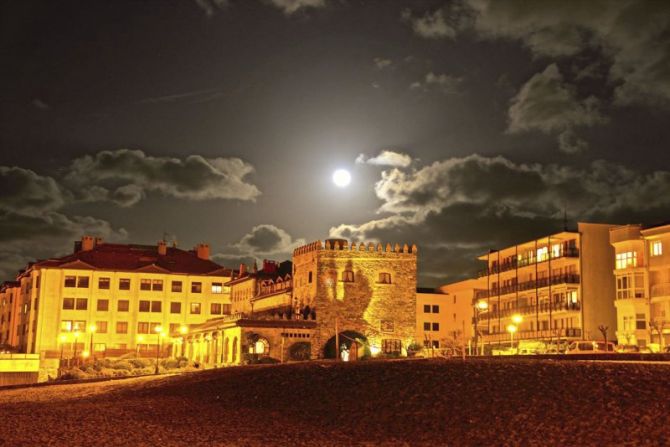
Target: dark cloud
column 464, row 206
column 548, row 104
column 24, row 191
column 266, row 240
column 126, row 176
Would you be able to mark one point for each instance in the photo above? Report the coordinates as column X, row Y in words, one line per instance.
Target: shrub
column 73, row 374
column 170, row 363
column 122, row 364
column 140, row 362
column 301, row 350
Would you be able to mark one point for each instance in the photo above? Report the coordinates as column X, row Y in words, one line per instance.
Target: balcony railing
column 571, row 252
column 659, row 290
column 528, row 310
column 528, row 285
column 545, row 333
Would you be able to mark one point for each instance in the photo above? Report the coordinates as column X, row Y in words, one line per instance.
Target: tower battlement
column 344, row 245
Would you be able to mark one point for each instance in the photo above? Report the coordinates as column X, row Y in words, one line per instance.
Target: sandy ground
column 477, row 402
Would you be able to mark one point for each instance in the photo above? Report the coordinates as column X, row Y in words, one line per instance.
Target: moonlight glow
column 341, row 178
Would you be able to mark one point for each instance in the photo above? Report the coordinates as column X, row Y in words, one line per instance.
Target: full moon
column 341, row 178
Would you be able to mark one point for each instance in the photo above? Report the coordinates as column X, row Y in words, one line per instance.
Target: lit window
column 145, row 284
column 79, row 325
column 101, row 327
column 121, row 327
column 626, row 259
column 542, row 254
column 157, row 285
column 195, row 308
column 556, row 251
column 66, row 325
column 142, row 328
column 217, row 287
column 656, row 248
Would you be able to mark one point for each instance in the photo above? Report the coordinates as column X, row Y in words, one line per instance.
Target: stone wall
column 376, row 310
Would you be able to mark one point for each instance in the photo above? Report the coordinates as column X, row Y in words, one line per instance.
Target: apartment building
column 110, row 299
column 556, row 288
column 642, row 279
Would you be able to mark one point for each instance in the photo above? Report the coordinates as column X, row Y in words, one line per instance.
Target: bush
column 140, row 362
column 301, row 350
column 170, row 363
column 145, row 370
column 122, row 364
column 73, row 374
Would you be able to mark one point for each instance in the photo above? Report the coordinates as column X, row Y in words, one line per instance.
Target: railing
column 659, row 290
column 529, row 310
column 572, row 252
column 528, row 285
column 545, row 333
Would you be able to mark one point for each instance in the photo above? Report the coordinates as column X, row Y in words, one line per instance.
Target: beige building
column 444, row 315
column 364, row 293
column 111, row 299
column 560, row 285
column 642, row 279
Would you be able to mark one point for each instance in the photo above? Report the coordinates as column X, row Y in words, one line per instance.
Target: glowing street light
column 480, row 306
column 85, row 354
column 512, row 328
column 517, row 319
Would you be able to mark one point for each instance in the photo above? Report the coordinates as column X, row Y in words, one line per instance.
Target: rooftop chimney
column 202, row 251
column 162, row 248
column 243, row 270
column 87, row 243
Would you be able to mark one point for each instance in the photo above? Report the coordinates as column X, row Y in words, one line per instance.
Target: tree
column 657, row 326
column 603, row 330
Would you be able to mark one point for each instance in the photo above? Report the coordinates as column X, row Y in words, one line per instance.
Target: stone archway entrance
column 355, row 344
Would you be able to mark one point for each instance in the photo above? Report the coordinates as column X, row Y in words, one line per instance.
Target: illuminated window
column 196, row 287
column 103, row 283
column 391, row 346
column 123, row 306
column 626, row 259
column 348, row 276
column 153, row 327
column 70, row 281
column 176, row 286
column 121, row 327
column 656, row 248
column 99, row 347
column 157, row 285
column 102, row 305
column 124, row 284
column 145, row 284
column 66, row 325
column 79, row 325
column 217, row 287
column 556, row 251
column 542, row 254
column 142, row 328
column 195, row 308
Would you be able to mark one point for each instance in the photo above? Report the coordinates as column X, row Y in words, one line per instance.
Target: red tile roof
column 122, row 257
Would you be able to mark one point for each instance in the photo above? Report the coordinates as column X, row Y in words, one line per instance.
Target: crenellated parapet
column 344, row 245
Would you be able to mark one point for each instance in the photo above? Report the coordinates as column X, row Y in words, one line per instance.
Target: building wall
column 51, row 315
column 597, row 284
column 377, row 311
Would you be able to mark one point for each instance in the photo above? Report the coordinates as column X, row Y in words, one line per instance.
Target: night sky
column 466, row 125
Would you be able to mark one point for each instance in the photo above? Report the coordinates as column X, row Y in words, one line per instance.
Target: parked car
column 627, row 348
column 590, row 347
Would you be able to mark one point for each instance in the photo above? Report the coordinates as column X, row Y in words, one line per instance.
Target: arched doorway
column 347, row 338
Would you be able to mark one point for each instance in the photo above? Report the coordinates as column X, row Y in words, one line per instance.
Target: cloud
column 386, row 158
column 126, row 176
column 630, row 36
column 441, row 82
column 459, row 207
column 548, row 104
column 382, row 63
column 266, row 240
column 431, row 25
column 210, row 7
column 24, row 191
column 291, row 6
column 25, row 238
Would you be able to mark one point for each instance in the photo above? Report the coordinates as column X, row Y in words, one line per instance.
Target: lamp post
column 183, row 330
column 92, row 328
column 511, row 328
column 480, row 307
column 159, row 334
column 74, row 343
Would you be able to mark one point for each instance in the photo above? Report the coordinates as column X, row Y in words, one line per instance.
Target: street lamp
column 74, row 342
column 159, row 334
column 512, row 328
column 92, row 328
column 480, row 307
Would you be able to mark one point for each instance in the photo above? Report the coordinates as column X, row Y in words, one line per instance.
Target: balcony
column 571, row 252
column 528, row 285
column 659, row 290
column 530, row 335
column 529, row 310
